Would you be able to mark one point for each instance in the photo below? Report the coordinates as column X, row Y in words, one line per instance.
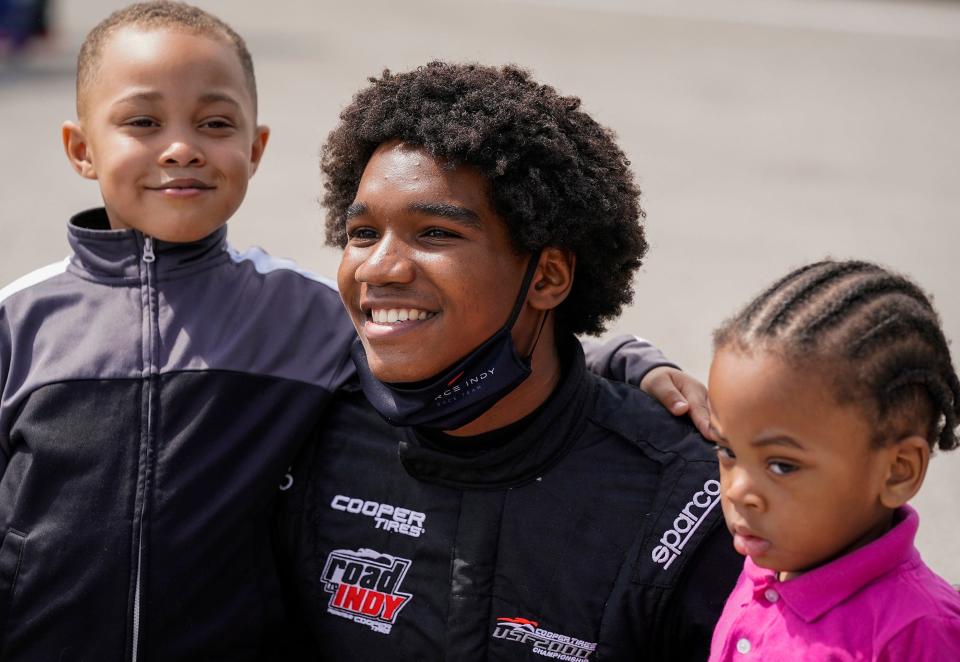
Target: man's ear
column 261, row 136
column 77, row 149
column 553, row 278
column 908, row 457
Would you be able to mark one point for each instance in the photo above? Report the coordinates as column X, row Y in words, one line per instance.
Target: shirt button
column 743, row 646
column 771, row 595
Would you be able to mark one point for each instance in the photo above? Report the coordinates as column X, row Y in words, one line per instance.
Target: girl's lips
column 750, row 545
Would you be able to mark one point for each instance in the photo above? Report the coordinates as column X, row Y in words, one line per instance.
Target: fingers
column 700, row 415
column 680, row 394
column 696, row 395
column 660, row 384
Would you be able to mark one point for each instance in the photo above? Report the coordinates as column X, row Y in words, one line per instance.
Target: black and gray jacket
column 593, row 531
column 152, row 396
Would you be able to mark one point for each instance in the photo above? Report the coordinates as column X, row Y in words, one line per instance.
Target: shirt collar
column 103, row 253
column 816, row 592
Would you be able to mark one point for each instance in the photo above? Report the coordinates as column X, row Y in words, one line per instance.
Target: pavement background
column 764, row 134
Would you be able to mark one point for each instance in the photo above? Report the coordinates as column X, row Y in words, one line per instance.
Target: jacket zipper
column 148, row 258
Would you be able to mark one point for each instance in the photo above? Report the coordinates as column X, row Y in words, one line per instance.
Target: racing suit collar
column 101, row 252
column 551, row 431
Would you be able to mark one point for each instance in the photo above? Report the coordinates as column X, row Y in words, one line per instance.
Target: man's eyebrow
column 355, row 209
column 446, row 210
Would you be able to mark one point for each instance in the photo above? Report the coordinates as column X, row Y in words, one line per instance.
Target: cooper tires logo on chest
column 394, row 519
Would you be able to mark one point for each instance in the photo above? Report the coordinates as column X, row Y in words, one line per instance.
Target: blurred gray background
column 764, row 134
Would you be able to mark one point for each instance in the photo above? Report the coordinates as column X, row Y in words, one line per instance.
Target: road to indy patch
column 365, row 587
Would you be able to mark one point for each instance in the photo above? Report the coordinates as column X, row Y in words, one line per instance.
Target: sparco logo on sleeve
column 365, row 587
column 543, row 642
column 686, row 523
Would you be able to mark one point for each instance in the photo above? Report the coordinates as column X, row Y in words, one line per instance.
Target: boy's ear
column 553, row 278
column 77, row 149
column 260, row 138
column 909, row 458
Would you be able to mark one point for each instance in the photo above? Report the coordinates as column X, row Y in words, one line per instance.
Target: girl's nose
column 740, row 489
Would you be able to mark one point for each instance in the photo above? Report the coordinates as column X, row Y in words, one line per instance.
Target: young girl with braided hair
column 828, row 394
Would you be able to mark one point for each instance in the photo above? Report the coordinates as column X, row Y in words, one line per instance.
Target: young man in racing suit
column 480, row 494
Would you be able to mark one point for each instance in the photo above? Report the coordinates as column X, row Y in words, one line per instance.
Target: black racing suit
column 591, row 530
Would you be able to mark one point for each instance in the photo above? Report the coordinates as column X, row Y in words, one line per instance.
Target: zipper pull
column 148, row 255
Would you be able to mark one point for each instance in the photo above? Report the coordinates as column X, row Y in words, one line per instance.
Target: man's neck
column 528, row 396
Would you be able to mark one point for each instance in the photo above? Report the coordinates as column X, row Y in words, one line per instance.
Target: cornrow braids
column 874, row 329
column 790, row 304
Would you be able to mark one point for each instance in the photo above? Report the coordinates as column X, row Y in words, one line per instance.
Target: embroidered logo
column 543, row 642
column 385, row 516
column 687, row 521
column 365, row 587
column 458, row 388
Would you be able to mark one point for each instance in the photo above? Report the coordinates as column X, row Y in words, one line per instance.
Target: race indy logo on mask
column 365, row 587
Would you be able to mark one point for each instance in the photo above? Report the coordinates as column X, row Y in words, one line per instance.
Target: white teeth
column 393, row 315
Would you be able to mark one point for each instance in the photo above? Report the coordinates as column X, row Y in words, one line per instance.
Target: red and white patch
column 543, row 642
column 365, row 587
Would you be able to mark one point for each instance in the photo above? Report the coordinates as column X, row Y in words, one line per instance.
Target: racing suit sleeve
column 624, row 358
column 686, row 623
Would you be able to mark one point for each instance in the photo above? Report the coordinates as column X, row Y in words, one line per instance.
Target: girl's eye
column 782, row 468
column 725, row 453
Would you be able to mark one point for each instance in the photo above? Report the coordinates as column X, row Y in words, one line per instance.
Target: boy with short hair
column 155, row 386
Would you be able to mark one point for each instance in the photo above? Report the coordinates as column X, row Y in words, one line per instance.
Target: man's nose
column 390, row 262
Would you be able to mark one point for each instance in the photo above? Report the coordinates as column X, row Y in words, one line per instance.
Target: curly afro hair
column 556, row 176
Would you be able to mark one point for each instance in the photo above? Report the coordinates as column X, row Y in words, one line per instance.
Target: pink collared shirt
column 879, row 602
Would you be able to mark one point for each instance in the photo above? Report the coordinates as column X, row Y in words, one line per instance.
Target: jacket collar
column 102, row 253
column 816, row 592
column 551, row 432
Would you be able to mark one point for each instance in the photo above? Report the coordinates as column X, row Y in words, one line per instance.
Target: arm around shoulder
column 623, row 358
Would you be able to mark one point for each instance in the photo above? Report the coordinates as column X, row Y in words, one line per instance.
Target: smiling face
column 429, row 271
column 168, row 130
column 800, row 480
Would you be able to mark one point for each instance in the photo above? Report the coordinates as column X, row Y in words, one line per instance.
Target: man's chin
column 397, row 368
